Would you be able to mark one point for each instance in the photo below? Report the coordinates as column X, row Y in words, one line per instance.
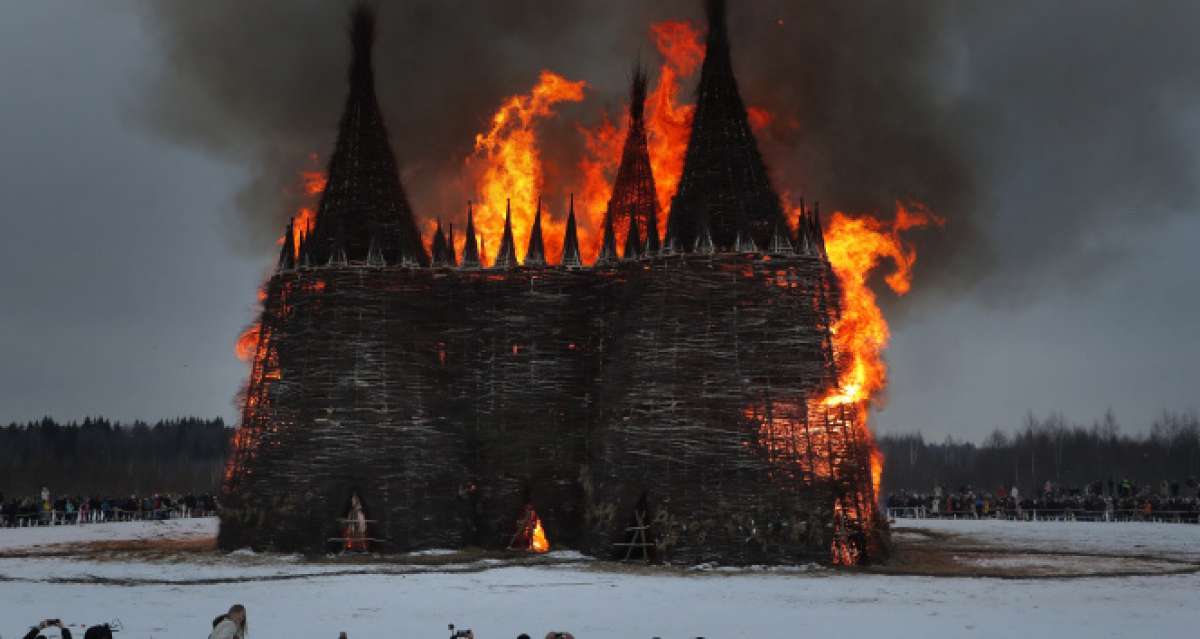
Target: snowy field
column 160, row 580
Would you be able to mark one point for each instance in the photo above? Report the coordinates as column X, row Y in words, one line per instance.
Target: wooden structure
column 678, row 388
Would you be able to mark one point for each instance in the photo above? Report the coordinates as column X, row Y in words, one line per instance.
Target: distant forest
column 104, row 458
column 1049, row 449
column 101, row 457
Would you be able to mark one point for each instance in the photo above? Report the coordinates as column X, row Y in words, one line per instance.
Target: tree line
column 105, row 458
column 187, row 455
column 1048, row 449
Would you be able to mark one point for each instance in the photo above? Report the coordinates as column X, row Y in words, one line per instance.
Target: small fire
column 759, row 117
column 314, row 181
column 247, row 343
column 537, row 540
column 530, row 534
column 301, row 226
column 311, row 185
column 507, row 160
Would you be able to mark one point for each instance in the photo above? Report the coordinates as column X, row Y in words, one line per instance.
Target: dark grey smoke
column 1045, row 132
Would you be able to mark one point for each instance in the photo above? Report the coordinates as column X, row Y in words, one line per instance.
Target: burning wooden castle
column 666, row 401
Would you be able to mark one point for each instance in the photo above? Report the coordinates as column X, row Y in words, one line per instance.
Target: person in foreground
column 40, row 629
column 231, row 625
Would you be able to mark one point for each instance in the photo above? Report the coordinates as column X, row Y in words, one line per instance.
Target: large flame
column 598, row 168
column 668, row 126
column 507, row 163
column 668, row 123
column 856, row 247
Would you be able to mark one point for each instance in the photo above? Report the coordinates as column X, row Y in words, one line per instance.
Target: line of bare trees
column 101, row 457
column 187, row 455
column 1048, row 449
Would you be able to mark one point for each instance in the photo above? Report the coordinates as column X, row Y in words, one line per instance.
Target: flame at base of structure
column 530, row 535
column 537, row 539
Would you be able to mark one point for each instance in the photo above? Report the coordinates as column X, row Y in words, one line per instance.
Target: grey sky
column 121, row 295
column 132, row 244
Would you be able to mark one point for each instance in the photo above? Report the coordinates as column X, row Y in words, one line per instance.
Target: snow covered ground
column 176, row 595
column 12, row 539
column 1181, row 541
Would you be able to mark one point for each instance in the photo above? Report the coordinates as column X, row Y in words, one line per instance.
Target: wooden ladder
column 639, row 538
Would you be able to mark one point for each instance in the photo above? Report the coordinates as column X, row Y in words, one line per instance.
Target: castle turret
column 535, row 255
column 633, row 243
column 439, row 252
column 506, row 256
column 287, row 254
column 375, row 256
column 363, row 198
column 724, row 183
column 570, row 250
column 780, row 244
column 470, row 257
column 608, row 243
column 653, row 245
column 634, row 196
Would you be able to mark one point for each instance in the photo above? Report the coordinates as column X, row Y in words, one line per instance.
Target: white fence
column 1052, row 514
column 75, row 518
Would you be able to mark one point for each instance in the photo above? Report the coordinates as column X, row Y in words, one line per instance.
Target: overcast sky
column 127, row 275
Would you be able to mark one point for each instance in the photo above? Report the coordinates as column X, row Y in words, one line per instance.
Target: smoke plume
column 1046, row 133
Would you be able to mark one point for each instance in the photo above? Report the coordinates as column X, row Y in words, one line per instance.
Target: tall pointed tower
column 633, row 191
column 570, row 246
column 535, row 255
column 470, row 257
column 363, row 198
column 724, row 184
column 506, row 255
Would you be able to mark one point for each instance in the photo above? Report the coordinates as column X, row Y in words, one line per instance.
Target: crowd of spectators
column 229, row 625
column 48, row 510
column 1111, row 501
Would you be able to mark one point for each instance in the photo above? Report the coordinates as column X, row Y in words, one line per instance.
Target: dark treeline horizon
column 104, row 458
column 1054, row 449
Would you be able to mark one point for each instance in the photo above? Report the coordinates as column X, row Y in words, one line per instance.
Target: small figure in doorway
column 356, row 526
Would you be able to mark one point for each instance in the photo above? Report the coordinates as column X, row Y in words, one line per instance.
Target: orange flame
column 759, row 117
column 313, row 181
column 668, row 126
column 537, row 540
column 311, row 185
column 668, row 123
column 598, row 168
column 856, row 246
column 247, row 343
column 508, row 162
